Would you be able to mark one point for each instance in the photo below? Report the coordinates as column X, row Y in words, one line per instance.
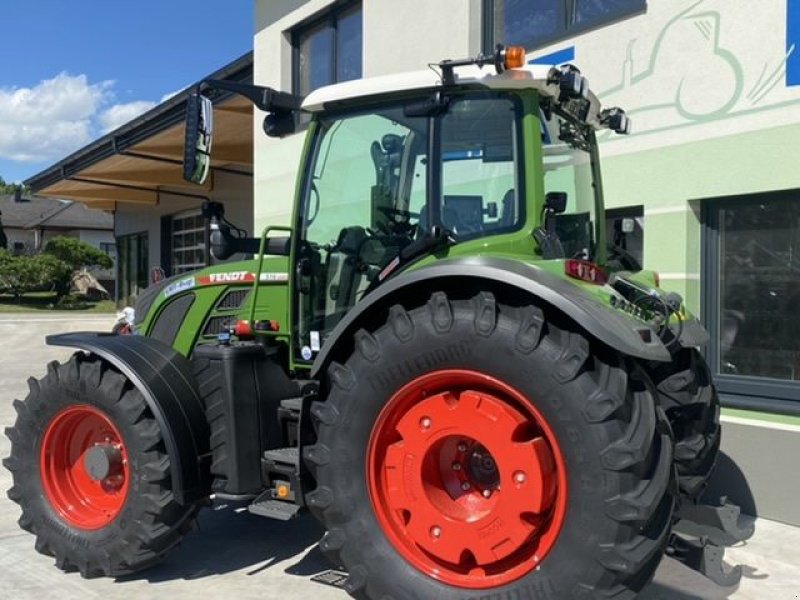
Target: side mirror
column 198, row 138
column 556, row 202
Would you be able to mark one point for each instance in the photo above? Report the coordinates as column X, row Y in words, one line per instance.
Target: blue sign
column 566, row 55
column 793, row 41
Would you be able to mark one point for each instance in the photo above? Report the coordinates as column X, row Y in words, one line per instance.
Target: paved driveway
column 237, row 555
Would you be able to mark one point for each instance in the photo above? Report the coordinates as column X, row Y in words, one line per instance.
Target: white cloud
column 119, row 114
column 57, row 116
column 50, row 119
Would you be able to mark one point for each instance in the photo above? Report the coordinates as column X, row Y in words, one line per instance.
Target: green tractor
column 442, row 359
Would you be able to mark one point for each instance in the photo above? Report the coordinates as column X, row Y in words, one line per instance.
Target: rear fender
column 165, row 379
column 614, row 328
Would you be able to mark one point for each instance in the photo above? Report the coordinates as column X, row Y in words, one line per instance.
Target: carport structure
column 136, row 172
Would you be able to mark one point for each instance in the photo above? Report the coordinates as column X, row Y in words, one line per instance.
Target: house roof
column 144, row 157
column 36, row 212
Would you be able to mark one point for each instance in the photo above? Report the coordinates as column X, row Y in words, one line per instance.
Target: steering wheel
column 395, row 227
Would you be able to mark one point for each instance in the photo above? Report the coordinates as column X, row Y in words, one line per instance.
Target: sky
column 72, row 70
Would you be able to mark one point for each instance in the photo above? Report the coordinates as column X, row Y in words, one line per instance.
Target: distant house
column 30, row 222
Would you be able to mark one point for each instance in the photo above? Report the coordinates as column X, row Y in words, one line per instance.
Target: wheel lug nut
column 465, row 486
column 462, row 447
column 436, row 531
column 519, row 477
column 425, row 422
column 456, row 466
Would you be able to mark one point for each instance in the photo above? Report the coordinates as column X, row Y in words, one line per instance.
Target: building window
column 189, row 241
column 19, row 248
column 110, row 250
column 328, row 50
column 536, row 24
column 752, row 291
column 625, row 233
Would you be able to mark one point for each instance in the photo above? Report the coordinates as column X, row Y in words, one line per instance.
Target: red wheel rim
column 84, row 467
column 466, row 479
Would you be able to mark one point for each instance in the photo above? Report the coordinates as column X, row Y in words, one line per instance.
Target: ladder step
column 286, row 456
column 294, row 404
column 274, row 509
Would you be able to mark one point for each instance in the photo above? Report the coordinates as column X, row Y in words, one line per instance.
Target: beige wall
column 234, row 191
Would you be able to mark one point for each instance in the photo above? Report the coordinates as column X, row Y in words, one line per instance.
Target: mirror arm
column 265, row 98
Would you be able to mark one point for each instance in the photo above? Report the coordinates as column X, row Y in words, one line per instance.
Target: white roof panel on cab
column 531, row 76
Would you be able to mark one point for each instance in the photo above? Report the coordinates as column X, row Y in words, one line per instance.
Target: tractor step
column 283, row 456
column 274, row 509
column 294, row 404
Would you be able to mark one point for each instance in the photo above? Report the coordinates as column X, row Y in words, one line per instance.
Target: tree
column 10, row 188
column 18, row 274
column 77, row 254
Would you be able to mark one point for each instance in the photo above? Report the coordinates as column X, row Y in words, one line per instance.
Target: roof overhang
column 142, row 160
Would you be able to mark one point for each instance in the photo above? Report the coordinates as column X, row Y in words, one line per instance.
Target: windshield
column 568, row 168
column 368, row 197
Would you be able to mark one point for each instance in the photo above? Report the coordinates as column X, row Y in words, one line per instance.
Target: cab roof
column 531, row 76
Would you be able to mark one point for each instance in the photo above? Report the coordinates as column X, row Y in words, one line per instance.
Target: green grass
column 46, row 301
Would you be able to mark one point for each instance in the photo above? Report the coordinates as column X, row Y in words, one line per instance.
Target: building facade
column 706, row 190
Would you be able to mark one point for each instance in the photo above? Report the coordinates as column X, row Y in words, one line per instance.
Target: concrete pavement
column 235, row 554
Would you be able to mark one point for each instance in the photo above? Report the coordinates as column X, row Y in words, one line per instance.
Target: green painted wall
column 672, row 182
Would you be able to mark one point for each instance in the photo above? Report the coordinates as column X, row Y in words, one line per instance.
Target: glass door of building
column 132, row 267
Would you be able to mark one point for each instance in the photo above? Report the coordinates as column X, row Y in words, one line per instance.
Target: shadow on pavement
column 230, row 540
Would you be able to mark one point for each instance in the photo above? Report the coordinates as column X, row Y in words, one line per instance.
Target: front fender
column 614, row 328
column 165, row 379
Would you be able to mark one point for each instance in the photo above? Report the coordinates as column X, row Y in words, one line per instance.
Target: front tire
column 578, row 422
column 91, row 473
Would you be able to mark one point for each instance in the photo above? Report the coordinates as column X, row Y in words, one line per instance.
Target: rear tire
column 687, row 395
column 602, row 420
column 112, row 526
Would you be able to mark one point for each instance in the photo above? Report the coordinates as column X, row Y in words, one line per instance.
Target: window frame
column 746, row 392
column 633, row 211
column 172, row 233
column 143, row 242
column 331, row 16
column 570, row 28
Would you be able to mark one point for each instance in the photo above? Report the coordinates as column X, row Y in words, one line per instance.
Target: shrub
column 77, row 254
column 21, row 274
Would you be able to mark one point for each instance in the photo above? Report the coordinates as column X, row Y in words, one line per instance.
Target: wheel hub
column 83, row 467
column 466, row 479
column 103, row 462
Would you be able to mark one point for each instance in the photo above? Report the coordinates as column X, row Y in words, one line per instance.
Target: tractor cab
column 405, row 169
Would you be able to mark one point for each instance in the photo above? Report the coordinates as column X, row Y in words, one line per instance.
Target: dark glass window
column 536, row 23
column 329, row 50
column 759, row 288
column 132, row 266
column 625, row 236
